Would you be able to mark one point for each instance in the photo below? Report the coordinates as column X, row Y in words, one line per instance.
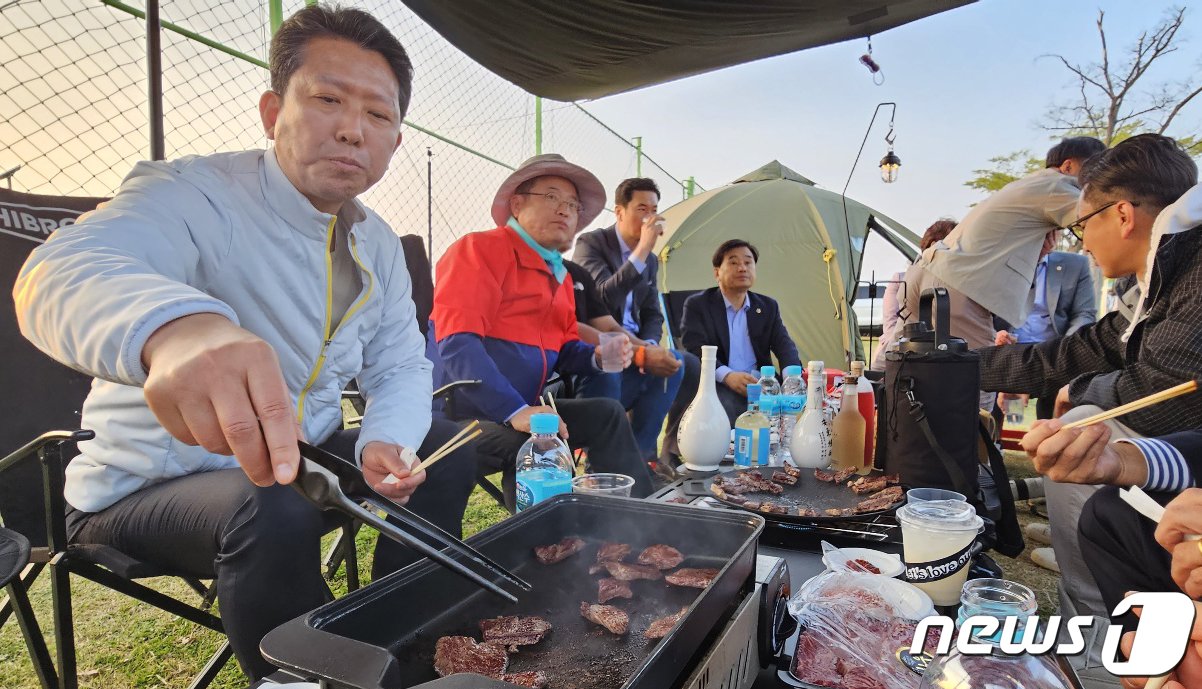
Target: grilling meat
column 825, row 476
column 697, row 578
column 514, row 631
column 893, row 479
column 454, row 654
column 784, row 478
column 807, row 512
column 534, row 680
column 865, row 485
column 844, row 474
column 679, row 500
column 752, row 505
column 837, row 512
column 879, row 501
column 791, row 470
column 768, row 507
column 613, row 619
column 658, row 629
column 661, row 556
column 558, row 552
column 751, row 481
column 610, row 588
column 612, row 552
column 629, row 572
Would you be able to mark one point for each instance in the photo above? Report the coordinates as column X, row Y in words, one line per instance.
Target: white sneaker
column 1038, row 532
column 1046, row 558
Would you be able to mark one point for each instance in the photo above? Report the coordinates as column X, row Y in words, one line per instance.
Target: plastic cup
column 612, row 485
column 937, row 539
column 1015, row 410
column 611, row 354
column 928, row 494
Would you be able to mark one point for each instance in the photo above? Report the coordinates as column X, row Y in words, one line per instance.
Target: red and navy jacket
column 501, row 317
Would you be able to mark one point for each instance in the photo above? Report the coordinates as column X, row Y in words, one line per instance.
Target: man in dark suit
column 1064, row 303
column 745, row 326
column 621, row 262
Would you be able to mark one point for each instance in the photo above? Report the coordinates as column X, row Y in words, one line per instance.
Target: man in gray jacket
column 222, row 303
column 988, row 262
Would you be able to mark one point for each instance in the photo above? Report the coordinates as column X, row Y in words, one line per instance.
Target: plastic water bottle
column 770, row 407
column 753, row 432
column 544, row 464
column 792, row 401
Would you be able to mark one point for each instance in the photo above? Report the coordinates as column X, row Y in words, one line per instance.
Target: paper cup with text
column 938, row 539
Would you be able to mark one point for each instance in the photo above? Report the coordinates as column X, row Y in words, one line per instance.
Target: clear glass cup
column 612, row 485
column 928, row 494
column 611, row 354
column 1015, row 410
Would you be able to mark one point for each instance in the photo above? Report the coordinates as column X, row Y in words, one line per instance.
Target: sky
column 969, row 84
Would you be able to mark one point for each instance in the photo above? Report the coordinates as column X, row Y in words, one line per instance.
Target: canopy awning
column 585, row 49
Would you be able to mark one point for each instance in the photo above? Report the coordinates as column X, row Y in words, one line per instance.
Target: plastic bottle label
column 536, row 485
column 744, row 438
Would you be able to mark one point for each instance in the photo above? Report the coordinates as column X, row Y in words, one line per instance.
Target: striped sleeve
column 1167, row 469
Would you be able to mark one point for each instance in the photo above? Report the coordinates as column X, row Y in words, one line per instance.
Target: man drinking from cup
column 504, row 314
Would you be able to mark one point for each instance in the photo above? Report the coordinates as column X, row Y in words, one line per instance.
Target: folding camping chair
column 31, row 493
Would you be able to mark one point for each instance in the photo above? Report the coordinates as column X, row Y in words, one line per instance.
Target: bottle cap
column 753, row 392
column 544, row 424
column 857, row 368
column 767, row 372
column 792, row 371
column 816, row 366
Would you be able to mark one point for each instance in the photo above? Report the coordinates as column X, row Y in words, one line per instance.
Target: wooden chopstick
column 446, row 450
column 462, row 432
column 1155, row 398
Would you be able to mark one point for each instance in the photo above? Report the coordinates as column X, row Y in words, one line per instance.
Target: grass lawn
column 125, row 644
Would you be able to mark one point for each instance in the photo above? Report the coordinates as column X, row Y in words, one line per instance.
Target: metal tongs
column 332, row 483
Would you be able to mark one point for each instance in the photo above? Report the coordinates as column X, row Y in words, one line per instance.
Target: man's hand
column 1062, row 403
column 216, row 385
column 381, row 460
column 660, row 362
column 1183, row 517
column 738, row 381
column 1003, row 337
column 521, row 420
column 1187, row 674
column 1083, row 455
column 649, row 233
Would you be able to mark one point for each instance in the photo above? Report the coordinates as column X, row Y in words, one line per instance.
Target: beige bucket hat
column 588, row 187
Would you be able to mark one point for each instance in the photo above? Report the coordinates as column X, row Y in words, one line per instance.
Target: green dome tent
column 807, row 262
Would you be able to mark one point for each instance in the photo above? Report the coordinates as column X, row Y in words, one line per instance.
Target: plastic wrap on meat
column 610, row 588
column 558, row 552
column 514, row 631
column 454, row 654
column 661, row 556
column 613, row 619
column 693, row 577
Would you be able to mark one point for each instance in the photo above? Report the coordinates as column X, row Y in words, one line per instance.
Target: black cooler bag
column 929, row 430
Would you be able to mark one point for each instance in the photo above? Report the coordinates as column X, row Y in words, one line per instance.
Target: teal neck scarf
column 553, row 258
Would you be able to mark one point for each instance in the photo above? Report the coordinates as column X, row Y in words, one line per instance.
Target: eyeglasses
column 1077, row 228
column 555, row 200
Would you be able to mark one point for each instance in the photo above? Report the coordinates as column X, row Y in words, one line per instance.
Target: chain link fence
column 73, row 108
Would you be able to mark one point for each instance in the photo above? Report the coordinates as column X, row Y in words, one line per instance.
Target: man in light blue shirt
column 1064, row 302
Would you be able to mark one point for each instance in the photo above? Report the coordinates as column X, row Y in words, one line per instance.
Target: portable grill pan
column 808, row 492
column 383, row 635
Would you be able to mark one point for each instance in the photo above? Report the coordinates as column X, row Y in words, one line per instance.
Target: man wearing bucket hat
column 504, row 314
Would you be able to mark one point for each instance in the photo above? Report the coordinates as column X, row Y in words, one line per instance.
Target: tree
column 1108, row 105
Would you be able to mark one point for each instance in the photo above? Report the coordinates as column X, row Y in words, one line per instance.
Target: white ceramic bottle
column 810, row 446
column 704, row 429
